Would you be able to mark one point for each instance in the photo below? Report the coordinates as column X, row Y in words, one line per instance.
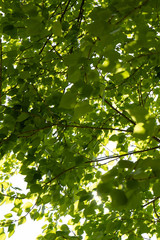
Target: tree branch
column 57, row 176
column 65, row 10
column 152, row 201
column 81, row 12
column 123, row 155
column 123, row 115
column 120, row 113
column 48, row 38
column 154, row 207
column 132, row 11
column 73, row 126
column 92, row 161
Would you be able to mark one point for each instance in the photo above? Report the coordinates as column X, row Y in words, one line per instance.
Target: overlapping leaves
column 76, row 75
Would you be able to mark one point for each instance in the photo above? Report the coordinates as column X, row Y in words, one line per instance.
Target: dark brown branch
column 79, row 19
column 143, row 55
column 48, row 38
column 132, row 11
column 154, row 207
column 52, row 15
column 153, row 200
column 35, row 204
column 65, row 10
column 134, row 72
column 13, row 196
column 123, row 155
column 92, row 161
column 123, row 115
column 120, row 113
column 156, row 138
column 60, row 174
column 73, row 126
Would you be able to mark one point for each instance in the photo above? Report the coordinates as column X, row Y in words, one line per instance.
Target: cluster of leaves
column 74, row 75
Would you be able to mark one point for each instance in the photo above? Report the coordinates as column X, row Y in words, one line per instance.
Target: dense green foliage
column 74, row 76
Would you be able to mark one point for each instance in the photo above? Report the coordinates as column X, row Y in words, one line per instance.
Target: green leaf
column 34, row 26
column 137, row 113
column 23, row 116
column 22, row 220
column 11, row 230
column 140, row 174
column 156, row 189
column 66, row 66
column 150, row 126
column 126, row 164
column 27, row 206
column 9, row 215
column 57, row 28
column 109, row 176
column 35, row 188
column 10, row 30
column 74, row 74
column 140, row 131
column 84, row 195
column 49, row 236
column 3, row 236
column 73, row 59
column 34, row 214
column 81, row 109
column 89, row 210
column 119, row 198
column 36, row 142
column 65, row 228
column 68, row 100
column 104, row 189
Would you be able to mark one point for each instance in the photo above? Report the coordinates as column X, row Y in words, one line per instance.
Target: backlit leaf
column 68, row 100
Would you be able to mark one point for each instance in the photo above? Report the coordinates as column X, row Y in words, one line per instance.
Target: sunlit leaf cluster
column 79, row 117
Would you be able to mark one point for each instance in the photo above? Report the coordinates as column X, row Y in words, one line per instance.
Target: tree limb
column 81, row 12
column 123, row 155
column 132, row 11
column 120, row 113
column 152, row 201
column 73, row 126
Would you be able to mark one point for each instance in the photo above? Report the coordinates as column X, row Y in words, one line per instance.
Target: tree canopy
column 77, row 76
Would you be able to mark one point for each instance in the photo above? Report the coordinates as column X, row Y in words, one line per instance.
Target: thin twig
column 120, row 113
column 72, row 126
column 60, row 174
column 132, row 11
column 153, row 200
column 154, row 207
column 123, row 155
column 143, row 55
column 48, row 38
column 130, row 120
column 65, row 10
column 92, row 161
column 79, row 19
